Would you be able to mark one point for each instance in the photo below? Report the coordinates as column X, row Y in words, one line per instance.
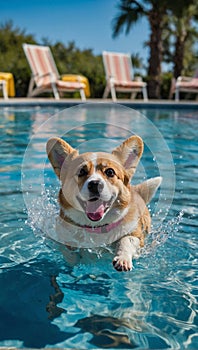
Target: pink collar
column 97, row 229
column 103, row 229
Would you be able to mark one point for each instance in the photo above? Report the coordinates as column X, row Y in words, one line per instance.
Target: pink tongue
column 95, row 210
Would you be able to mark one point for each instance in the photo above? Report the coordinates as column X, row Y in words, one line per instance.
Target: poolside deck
column 66, row 103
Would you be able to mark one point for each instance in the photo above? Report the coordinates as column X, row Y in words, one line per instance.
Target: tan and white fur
column 98, row 204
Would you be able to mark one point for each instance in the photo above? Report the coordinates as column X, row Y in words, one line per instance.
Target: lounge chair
column 119, row 76
column 184, row 84
column 45, row 76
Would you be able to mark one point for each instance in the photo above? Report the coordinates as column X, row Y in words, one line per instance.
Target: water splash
column 42, row 212
column 42, row 219
column 159, row 234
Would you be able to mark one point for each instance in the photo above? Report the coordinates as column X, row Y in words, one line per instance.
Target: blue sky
column 87, row 22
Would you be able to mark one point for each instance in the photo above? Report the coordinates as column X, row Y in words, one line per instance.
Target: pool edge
column 66, row 103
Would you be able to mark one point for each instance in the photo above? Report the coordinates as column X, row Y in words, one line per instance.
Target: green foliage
column 129, row 13
column 166, row 84
column 180, row 37
column 12, row 58
column 69, row 60
column 173, row 35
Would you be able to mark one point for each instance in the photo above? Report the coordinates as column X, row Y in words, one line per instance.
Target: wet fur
column 129, row 202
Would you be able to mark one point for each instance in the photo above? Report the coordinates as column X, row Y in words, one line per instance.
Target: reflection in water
column 55, row 298
column 154, row 306
column 106, row 332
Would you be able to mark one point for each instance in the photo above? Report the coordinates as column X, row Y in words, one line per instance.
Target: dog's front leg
column 127, row 247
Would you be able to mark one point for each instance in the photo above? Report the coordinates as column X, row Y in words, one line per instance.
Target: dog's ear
column 148, row 188
column 58, row 150
column 129, row 153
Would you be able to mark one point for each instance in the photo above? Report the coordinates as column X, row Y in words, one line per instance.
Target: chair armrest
column 138, row 78
column 52, row 76
column 184, row 78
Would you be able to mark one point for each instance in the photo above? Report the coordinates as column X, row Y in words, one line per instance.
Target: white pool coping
column 65, row 103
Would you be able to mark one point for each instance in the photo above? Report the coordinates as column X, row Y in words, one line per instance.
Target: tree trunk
column 155, row 44
column 181, row 37
column 178, row 57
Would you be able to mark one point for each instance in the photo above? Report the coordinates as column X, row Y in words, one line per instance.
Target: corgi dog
column 98, row 204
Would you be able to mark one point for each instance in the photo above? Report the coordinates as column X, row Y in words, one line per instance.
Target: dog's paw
column 122, row 263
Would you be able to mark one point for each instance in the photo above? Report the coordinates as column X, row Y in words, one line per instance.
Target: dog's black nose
column 95, row 186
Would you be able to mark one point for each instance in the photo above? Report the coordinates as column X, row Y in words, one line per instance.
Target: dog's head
column 95, row 183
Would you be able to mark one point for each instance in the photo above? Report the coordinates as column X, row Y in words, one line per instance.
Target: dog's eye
column 110, row 172
column 82, row 172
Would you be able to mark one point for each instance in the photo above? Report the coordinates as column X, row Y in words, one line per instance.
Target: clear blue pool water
column 93, row 306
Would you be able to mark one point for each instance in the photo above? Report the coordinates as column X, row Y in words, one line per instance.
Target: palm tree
column 164, row 16
column 184, row 34
column 130, row 11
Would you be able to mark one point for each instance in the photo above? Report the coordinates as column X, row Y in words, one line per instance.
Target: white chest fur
column 83, row 237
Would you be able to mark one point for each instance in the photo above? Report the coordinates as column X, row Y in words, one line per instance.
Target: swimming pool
column 45, row 302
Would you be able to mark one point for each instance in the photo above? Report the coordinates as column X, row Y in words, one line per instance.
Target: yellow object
column 8, row 77
column 79, row 78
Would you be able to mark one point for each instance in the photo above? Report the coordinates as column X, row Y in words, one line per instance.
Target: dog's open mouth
column 95, row 208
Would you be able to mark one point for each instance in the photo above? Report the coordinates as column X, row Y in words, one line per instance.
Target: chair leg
column 106, row 91
column 133, row 95
column 144, row 93
column 30, row 88
column 177, row 94
column 4, row 88
column 55, row 91
column 82, row 94
column 113, row 93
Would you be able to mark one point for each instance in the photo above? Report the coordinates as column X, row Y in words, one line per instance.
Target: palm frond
column 130, row 11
